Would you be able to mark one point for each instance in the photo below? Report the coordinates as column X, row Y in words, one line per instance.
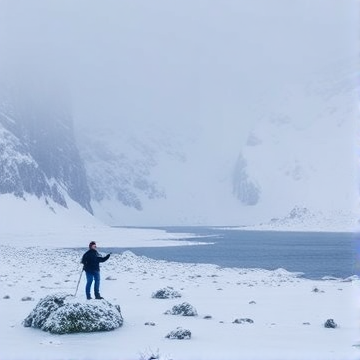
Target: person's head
column 92, row 245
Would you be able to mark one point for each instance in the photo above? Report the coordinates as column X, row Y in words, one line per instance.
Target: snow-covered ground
column 288, row 312
column 39, row 257
column 301, row 219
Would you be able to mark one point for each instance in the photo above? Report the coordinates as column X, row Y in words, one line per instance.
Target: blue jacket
column 91, row 260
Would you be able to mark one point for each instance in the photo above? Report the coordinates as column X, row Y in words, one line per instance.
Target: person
column 91, row 260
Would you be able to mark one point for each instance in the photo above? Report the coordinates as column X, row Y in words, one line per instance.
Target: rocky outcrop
column 246, row 190
column 38, row 151
column 120, row 166
column 62, row 314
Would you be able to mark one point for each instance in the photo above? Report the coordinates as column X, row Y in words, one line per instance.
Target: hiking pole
column 78, row 282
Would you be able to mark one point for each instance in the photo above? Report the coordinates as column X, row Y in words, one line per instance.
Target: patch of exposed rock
column 243, row 321
column 330, row 324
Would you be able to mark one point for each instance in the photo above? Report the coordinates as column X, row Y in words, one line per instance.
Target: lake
column 315, row 254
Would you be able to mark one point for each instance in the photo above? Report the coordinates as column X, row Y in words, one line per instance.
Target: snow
column 307, row 221
column 298, row 151
column 288, row 312
column 30, row 221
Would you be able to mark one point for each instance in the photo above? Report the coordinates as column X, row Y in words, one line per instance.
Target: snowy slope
column 35, row 216
column 304, row 157
column 300, row 153
column 294, row 166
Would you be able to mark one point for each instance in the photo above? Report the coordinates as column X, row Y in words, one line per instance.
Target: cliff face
column 38, row 153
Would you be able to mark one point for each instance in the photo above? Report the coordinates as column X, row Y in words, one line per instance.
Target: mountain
column 299, row 154
column 302, row 153
column 38, row 152
column 295, row 167
column 126, row 169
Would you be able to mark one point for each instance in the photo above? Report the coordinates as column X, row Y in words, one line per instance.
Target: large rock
column 62, row 314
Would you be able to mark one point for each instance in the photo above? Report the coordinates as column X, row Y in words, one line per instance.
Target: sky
column 178, row 64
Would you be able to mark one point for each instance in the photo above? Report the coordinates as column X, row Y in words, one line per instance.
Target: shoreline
column 287, row 311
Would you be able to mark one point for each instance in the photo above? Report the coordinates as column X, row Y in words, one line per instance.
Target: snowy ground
column 288, row 312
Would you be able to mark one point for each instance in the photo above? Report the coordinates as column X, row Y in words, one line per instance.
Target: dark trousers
column 90, row 277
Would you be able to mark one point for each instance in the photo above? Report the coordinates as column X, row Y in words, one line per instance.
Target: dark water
column 314, row 254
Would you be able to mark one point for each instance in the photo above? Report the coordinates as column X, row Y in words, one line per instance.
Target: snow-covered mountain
column 38, row 152
column 295, row 167
column 311, row 164
column 299, row 154
column 122, row 169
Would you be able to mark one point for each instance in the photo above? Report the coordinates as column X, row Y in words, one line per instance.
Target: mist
column 177, row 64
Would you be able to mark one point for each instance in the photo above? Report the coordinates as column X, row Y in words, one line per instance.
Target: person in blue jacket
column 91, row 260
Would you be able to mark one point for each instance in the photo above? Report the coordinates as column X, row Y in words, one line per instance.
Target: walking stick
column 78, row 282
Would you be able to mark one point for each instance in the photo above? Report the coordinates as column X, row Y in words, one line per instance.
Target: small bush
column 179, row 334
column 166, row 293
column 184, row 309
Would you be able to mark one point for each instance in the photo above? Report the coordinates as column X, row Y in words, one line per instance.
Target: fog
column 174, row 63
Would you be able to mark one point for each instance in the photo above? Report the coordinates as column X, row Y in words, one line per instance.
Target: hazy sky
column 175, row 62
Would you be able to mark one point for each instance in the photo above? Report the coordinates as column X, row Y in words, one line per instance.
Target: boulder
column 43, row 309
column 243, row 321
column 184, row 309
column 63, row 314
column 179, row 334
column 330, row 323
column 150, row 323
column 166, row 293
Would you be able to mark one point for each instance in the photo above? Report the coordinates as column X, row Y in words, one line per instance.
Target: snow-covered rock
column 179, row 334
column 243, row 321
column 184, row 309
column 166, row 293
column 62, row 314
column 330, row 324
